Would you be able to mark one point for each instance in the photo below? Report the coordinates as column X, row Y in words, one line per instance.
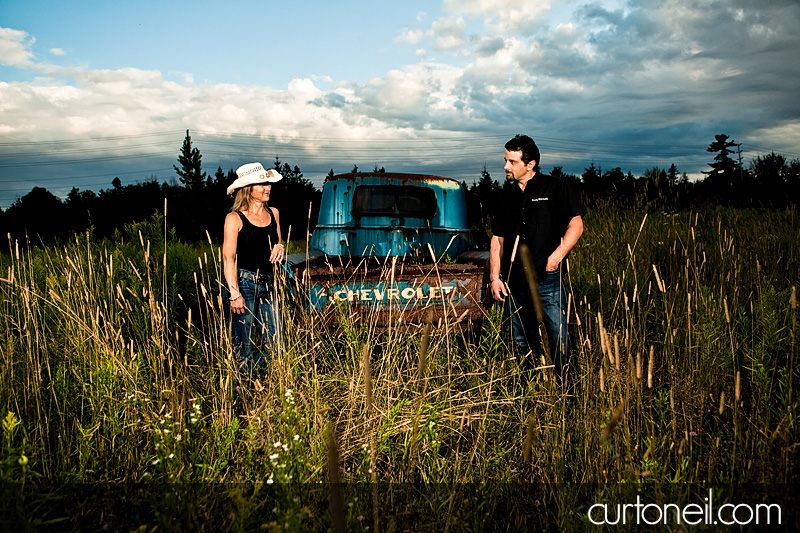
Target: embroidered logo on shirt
column 539, row 199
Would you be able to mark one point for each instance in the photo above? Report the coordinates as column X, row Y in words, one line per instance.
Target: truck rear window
column 394, row 201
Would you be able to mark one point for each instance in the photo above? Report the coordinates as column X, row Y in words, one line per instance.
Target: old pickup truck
column 392, row 248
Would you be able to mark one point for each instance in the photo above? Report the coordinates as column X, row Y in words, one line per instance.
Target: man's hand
column 553, row 261
column 499, row 291
column 237, row 306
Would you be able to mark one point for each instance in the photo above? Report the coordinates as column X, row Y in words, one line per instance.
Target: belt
column 255, row 278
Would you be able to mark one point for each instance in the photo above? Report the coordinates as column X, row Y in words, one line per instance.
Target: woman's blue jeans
column 257, row 331
column 525, row 325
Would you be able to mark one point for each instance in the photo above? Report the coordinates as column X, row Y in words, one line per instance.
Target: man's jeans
column 525, row 325
column 258, row 330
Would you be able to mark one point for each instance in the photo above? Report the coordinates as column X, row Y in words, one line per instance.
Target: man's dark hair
column 524, row 144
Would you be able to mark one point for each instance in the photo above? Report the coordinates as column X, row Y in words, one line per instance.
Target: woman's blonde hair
column 242, row 198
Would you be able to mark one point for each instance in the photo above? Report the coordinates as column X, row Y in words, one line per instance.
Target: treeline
column 196, row 202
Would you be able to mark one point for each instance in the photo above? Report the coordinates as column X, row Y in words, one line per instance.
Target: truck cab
column 381, row 214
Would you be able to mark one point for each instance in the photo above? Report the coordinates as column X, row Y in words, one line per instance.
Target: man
column 545, row 214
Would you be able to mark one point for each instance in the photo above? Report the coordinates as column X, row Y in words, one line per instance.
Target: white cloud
column 448, row 33
column 15, row 48
column 58, row 51
column 410, row 36
column 504, row 17
column 641, row 74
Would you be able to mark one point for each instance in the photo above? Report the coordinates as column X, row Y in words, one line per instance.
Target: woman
column 251, row 247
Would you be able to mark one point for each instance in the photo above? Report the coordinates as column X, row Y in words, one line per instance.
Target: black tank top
column 254, row 245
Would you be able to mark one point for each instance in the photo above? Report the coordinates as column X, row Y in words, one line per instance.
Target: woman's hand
column 277, row 253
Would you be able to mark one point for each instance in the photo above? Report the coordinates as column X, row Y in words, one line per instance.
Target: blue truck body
column 391, row 247
column 380, row 214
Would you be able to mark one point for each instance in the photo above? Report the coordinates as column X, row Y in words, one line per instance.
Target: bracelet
column 280, row 244
column 234, row 299
column 498, row 278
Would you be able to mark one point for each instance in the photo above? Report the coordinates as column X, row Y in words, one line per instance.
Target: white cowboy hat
column 253, row 174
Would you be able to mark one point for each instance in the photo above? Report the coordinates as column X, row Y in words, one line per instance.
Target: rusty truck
column 392, row 247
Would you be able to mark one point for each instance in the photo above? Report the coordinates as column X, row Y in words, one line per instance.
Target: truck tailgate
column 394, row 292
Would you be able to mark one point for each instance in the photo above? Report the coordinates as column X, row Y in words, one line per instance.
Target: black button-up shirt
column 539, row 215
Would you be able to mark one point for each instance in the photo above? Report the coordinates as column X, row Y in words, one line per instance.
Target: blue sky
column 94, row 90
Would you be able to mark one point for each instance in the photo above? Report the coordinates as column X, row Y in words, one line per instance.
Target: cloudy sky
column 92, row 90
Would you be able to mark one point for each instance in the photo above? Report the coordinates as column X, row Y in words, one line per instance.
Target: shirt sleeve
column 573, row 204
column 499, row 219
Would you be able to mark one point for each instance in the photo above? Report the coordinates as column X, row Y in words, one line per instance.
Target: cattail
column 661, row 286
column 793, row 298
column 604, row 347
column 727, row 314
column 526, row 451
column 602, row 380
column 612, row 423
column 738, row 390
column 638, row 367
column 722, row 403
column 650, row 364
column 648, row 452
column 616, row 351
column 365, row 361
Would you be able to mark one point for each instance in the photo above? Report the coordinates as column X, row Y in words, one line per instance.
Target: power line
column 328, row 152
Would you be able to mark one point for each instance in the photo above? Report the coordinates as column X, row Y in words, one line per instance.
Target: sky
column 93, row 90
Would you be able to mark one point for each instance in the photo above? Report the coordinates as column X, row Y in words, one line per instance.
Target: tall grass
column 116, row 366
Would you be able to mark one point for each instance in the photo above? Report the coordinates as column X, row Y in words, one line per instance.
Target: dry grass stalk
column 650, row 365
column 631, row 369
column 526, row 451
column 334, row 481
column 738, row 390
column 423, row 346
column 530, row 275
column 365, row 361
column 672, row 410
column 616, row 416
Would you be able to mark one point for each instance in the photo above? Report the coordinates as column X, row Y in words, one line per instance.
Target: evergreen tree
column 297, row 199
column 219, row 176
column 725, row 173
column 190, row 172
column 482, row 199
column 723, row 169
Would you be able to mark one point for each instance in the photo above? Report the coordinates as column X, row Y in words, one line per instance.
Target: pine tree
column 190, row 172
column 723, row 169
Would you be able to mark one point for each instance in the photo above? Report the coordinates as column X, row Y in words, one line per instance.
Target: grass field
column 122, row 409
